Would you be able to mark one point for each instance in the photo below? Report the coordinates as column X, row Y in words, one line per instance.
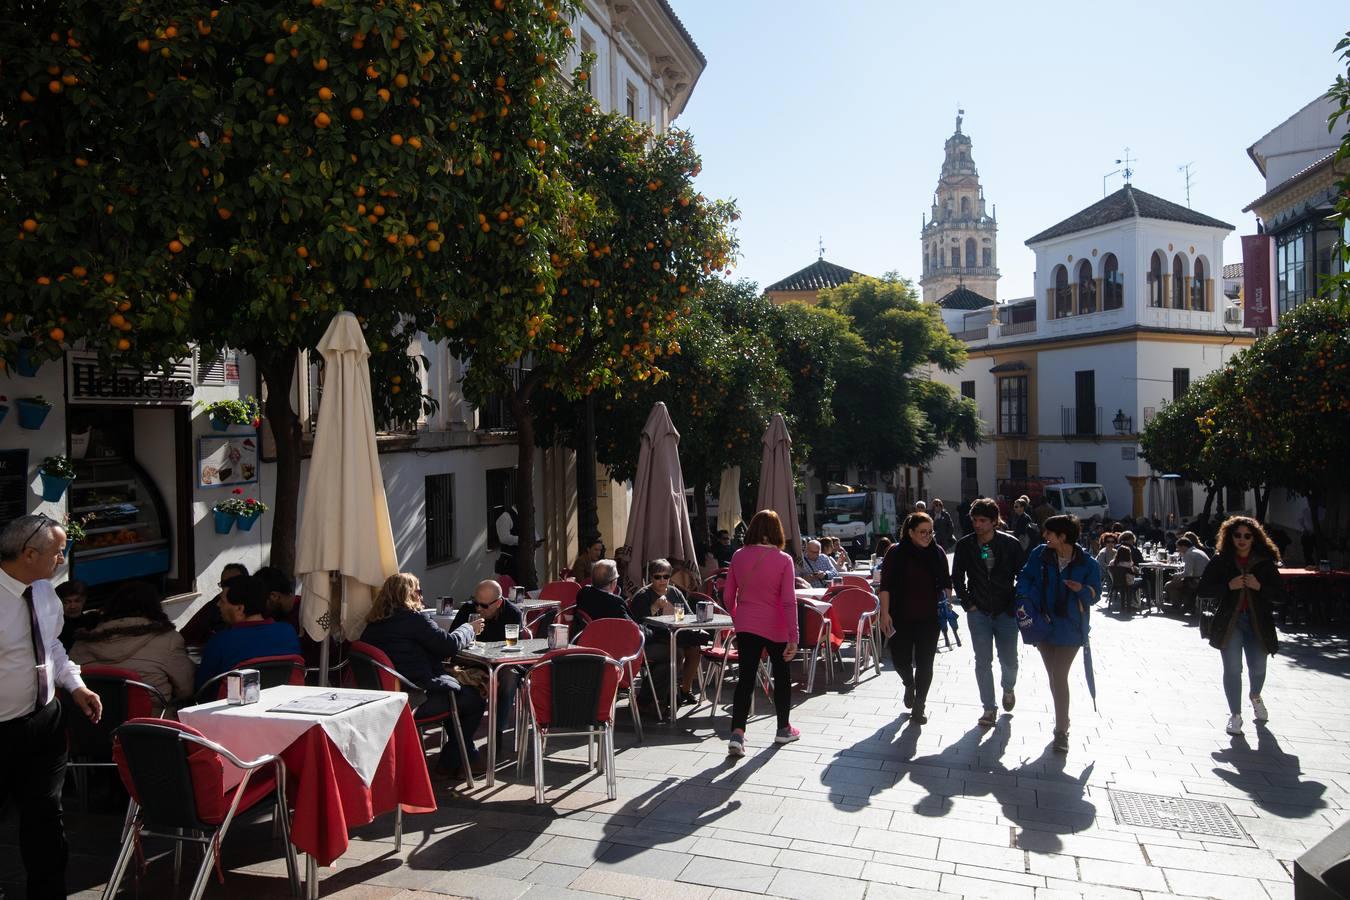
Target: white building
column 1126, row 312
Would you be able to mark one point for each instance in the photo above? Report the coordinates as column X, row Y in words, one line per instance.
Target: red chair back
column 847, row 607
column 176, row 783
column 361, row 674
column 575, row 687
column 851, row 580
column 618, row 639
column 565, row 592
column 508, row 585
column 814, row 621
column 125, row 696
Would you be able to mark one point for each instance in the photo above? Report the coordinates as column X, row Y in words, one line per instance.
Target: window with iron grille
column 1012, row 405
column 439, row 501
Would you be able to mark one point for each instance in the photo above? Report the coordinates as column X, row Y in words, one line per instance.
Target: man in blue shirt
column 816, row 567
column 250, row 635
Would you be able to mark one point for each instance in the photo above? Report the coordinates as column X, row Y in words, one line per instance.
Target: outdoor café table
column 342, row 769
column 811, row 593
column 494, row 655
column 1315, row 587
column 668, row 623
column 1159, row 568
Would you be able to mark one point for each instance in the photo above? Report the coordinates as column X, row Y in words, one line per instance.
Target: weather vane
column 820, row 242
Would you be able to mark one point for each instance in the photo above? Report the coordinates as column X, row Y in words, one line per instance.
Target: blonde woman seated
column 418, row 648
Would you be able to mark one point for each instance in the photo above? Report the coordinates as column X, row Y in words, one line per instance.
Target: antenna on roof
column 1186, row 170
column 820, row 241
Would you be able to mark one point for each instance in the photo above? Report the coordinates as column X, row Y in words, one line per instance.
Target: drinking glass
column 512, row 635
column 679, row 613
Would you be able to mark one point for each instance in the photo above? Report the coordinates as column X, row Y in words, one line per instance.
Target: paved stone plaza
column 866, row 806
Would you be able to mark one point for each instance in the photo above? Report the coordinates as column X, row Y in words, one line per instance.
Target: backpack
column 1033, row 619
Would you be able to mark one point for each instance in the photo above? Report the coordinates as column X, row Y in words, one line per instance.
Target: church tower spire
column 960, row 240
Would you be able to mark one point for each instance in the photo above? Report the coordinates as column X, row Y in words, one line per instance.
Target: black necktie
column 39, row 651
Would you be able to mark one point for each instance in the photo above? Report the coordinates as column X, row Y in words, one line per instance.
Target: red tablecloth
column 330, row 799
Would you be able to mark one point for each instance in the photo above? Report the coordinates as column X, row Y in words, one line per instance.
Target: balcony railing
column 1080, row 421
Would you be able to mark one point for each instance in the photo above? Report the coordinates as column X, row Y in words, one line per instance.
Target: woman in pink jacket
column 761, row 596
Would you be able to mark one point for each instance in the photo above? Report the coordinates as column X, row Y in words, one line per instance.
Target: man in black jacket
column 984, row 570
column 601, row 599
column 496, row 610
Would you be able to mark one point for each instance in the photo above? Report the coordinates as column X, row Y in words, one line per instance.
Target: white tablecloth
column 811, row 593
column 359, row 734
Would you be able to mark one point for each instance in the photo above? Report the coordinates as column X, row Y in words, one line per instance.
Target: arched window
column 1155, row 280
column 956, row 255
column 1178, row 282
column 1198, row 286
column 965, row 207
column 1113, row 283
column 1087, row 289
column 925, row 259
column 970, row 253
column 1063, row 296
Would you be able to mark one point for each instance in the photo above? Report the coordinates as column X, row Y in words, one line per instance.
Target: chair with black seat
column 273, row 671
column 623, row 640
column 175, row 777
column 370, row 668
column 124, row 697
column 573, row 691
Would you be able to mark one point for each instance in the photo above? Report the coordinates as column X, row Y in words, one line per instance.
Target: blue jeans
column 1243, row 640
column 985, row 632
column 469, row 707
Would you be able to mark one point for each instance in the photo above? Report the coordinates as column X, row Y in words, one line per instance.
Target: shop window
column 439, row 503
column 501, row 496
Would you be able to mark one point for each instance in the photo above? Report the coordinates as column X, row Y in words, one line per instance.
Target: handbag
column 1033, row 620
column 1209, row 607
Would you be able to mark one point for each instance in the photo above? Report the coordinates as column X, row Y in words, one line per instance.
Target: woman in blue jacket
column 1064, row 582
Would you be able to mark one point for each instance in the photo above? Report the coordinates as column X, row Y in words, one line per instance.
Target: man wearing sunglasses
column 33, row 664
column 496, row 610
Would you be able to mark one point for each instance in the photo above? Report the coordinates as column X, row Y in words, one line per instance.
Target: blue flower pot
column 246, row 523
column 219, row 424
column 224, row 521
column 27, row 366
column 53, row 487
column 4, row 411
column 70, row 548
column 32, row 414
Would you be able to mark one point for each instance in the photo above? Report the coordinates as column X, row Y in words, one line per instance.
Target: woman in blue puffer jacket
column 1064, row 582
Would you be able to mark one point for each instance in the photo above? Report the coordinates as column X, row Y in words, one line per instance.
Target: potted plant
column 33, row 412
column 4, row 407
column 224, row 413
column 56, row 473
column 227, row 511
column 249, row 515
column 75, row 533
column 28, row 366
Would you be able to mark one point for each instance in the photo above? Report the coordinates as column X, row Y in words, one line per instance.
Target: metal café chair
column 853, row 615
column 573, row 691
column 273, row 671
column 124, row 697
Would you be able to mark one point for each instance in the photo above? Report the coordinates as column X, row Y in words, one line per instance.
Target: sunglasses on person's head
column 44, row 521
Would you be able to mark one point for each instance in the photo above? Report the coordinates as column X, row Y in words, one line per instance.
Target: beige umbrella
column 658, row 524
column 346, row 546
column 729, row 500
column 776, row 489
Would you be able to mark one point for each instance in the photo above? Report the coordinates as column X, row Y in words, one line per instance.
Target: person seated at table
column 135, row 634
column 817, row 568
column 73, row 596
column 497, row 612
column 842, row 561
column 601, row 598
column 1181, row 588
column 1106, row 555
column 1125, row 578
column 418, row 648
column 660, row 598
column 281, row 605
column 722, row 548
column 251, row 634
column 594, row 552
column 207, row 621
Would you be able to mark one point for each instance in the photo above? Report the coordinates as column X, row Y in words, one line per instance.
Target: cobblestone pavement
column 869, row 806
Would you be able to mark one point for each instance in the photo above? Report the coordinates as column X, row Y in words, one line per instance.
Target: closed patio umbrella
column 776, row 484
column 729, row 500
column 346, row 544
column 658, row 523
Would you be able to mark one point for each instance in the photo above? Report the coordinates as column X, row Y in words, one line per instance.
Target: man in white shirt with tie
column 33, row 664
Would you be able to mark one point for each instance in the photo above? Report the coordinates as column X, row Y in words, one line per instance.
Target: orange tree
column 634, row 253
column 235, row 172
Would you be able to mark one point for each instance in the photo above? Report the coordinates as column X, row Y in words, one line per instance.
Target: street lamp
column 1122, row 422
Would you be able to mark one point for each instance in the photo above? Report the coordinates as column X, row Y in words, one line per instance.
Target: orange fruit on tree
column 322, row 120
column 30, row 225
column 396, row 139
column 321, row 64
column 175, row 246
column 270, row 58
column 55, row 86
column 79, row 271
column 383, row 94
column 223, row 212
column 400, row 80
column 415, row 142
column 123, row 344
column 143, row 45
column 57, row 334
column 357, row 113
column 325, row 94
column 283, row 119
column 302, row 252
column 171, row 32
column 43, row 280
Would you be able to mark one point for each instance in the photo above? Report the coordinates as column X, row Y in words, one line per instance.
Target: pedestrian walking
column 912, row 575
column 1242, row 586
column 984, row 574
column 944, row 529
column 1063, row 582
column 761, row 595
column 33, row 664
column 1022, row 525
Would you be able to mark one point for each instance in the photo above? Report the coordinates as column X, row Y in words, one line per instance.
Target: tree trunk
column 588, row 515
column 1262, row 502
column 1210, row 491
column 522, row 412
column 278, row 372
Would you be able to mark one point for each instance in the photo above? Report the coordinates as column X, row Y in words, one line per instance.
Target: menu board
column 227, row 459
column 13, row 484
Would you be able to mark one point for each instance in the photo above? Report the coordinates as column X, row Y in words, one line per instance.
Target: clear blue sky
column 828, row 119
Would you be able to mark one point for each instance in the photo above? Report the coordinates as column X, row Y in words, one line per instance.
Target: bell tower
column 960, row 238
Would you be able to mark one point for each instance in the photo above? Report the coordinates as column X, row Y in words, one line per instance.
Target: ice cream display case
column 128, row 532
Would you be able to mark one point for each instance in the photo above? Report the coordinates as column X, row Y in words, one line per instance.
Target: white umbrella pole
column 335, row 586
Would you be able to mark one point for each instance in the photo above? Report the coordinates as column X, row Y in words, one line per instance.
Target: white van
column 1086, row 501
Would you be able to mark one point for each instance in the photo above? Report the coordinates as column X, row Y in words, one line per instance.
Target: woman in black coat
column 1244, row 576
column 913, row 574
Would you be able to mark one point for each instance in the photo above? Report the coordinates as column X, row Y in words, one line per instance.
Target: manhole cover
column 1175, row 814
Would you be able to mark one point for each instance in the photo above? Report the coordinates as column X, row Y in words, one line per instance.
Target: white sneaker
column 1234, row 724
column 736, row 746
column 1259, row 712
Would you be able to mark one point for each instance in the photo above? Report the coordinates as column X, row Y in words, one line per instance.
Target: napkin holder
column 704, row 611
column 242, row 686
